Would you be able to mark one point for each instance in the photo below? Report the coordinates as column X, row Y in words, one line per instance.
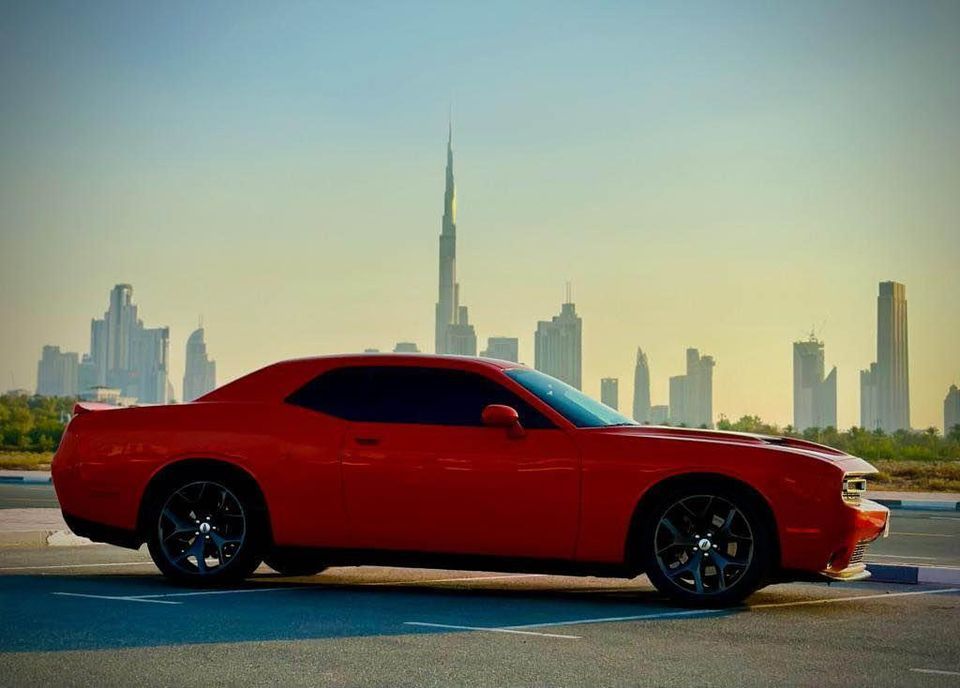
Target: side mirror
column 501, row 416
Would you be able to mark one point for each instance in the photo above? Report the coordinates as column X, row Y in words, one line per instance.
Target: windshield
column 569, row 402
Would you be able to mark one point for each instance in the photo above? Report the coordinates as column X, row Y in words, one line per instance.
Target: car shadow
column 73, row 612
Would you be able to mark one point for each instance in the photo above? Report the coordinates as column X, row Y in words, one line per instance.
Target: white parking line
column 113, row 597
column 456, row 580
column 156, row 597
column 489, row 629
column 852, row 598
column 684, row 614
column 937, row 671
column 611, row 619
column 74, row 566
column 923, row 534
column 899, row 556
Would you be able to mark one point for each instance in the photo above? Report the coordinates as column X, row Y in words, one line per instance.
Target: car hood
column 724, row 437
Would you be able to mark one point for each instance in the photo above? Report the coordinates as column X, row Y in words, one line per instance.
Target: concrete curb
column 912, row 575
column 918, row 505
column 33, row 539
column 26, row 480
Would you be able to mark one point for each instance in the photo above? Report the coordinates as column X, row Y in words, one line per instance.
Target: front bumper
column 864, row 523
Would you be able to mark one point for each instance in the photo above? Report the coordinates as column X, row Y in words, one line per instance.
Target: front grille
column 858, row 553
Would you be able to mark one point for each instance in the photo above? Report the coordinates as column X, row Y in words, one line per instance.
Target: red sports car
column 459, row 463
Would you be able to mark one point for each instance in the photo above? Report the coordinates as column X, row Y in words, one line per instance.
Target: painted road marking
column 489, row 629
column 454, row 580
column 829, row 600
column 638, row 617
column 709, row 612
column 154, row 597
column 113, row 597
column 900, row 556
column 74, row 566
column 937, row 671
column 924, row 535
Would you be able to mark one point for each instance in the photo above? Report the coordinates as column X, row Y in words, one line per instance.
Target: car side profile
column 456, row 462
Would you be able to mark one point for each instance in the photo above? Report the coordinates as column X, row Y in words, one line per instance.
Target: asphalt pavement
column 100, row 615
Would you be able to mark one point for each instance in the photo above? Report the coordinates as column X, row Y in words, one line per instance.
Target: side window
column 342, row 392
column 408, row 394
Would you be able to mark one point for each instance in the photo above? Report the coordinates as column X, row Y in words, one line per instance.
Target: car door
column 422, row 473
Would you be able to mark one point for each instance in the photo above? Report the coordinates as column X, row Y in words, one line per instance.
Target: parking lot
column 81, row 615
column 97, row 614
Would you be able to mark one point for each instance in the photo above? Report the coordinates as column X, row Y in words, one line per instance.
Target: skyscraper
column 200, row 374
column 869, row 401
column 951, row 410
column 558, row 346
column 691, row 395
column 641, row 389
column 127, row 356
column 891, row 379
column 503, row 348
column 892, row 357
column 610, row 392
column 814, row 396
column 57, row 373
column 454, row 333
column 677, row 400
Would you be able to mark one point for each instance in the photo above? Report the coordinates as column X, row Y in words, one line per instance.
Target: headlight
column 854, row 486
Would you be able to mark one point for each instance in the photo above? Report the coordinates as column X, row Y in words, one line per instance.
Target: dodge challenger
column 466, row 463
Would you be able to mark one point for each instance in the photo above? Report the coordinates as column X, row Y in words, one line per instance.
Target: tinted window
column 407, row 394
column 571, row 403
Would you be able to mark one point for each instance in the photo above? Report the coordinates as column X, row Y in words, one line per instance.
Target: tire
column 707, row 544
column 205, row 526
column 288, row 563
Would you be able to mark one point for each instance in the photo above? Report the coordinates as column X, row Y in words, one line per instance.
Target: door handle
column 367, row 441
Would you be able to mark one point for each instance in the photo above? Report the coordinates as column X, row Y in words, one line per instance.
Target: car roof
column 279, row 379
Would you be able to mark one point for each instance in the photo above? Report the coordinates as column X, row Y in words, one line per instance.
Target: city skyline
column 717, row 200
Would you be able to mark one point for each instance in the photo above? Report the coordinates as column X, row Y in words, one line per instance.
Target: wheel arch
column 195, row 465
column 668, row 484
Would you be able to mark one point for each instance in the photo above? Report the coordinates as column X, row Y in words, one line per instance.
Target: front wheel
column 205, row 528
column 707, row 545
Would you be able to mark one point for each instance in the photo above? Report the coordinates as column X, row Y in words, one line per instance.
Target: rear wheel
column 205, row 527
column 707, row 545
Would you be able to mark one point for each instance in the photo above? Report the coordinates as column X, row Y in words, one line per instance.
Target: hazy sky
column 717, row 175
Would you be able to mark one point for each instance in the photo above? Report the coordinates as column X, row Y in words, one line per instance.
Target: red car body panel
column 555, row 494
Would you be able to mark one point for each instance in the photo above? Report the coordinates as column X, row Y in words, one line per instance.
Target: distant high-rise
column 678, row 400
column 892, row 357
column 869, row 402
column 406, row 348
column 691, row 395
column 891, row 378
column 610, row 392
column 558, row 346
column 641, row 389
column 57, row 373
column 503, row 348
column 125, row 355
column 814, row 396
column 951, row 410
column 454, row 333
column 200, row 374
column 659, row 414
